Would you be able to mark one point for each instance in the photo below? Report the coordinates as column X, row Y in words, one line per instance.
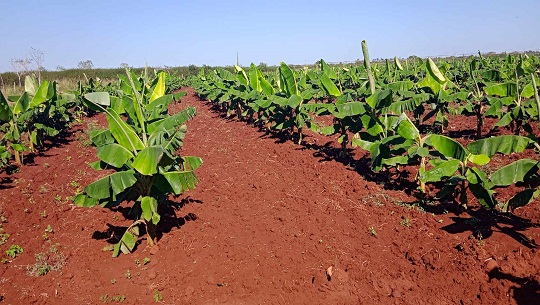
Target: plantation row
column 140, row 144
column 381, row 109
column 27, row 120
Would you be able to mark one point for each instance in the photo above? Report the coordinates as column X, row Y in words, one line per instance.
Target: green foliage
column 143, row 151
column 14, row 251
column 157, row 296
column 53, row 260
column 369, row 106
column 457, row 168
column 26, row 121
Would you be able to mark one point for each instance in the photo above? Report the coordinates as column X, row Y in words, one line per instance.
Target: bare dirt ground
column 270, row 222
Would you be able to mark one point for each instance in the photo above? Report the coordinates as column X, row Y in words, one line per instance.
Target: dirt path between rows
column 269, row 223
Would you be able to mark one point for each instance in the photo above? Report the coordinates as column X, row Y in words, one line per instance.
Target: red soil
column 268, row 223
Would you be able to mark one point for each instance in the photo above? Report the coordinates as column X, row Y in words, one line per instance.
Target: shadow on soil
column 28, row 160
column 168, row 221
column 6, row 183
column 528, row 291
column 483, row 223
column 392, row 179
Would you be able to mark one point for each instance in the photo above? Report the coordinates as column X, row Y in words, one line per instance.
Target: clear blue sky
column 175, row 33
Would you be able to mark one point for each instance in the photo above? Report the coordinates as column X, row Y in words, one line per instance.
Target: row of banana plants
column 38, row 114
column 140, row 150
column 381, row 109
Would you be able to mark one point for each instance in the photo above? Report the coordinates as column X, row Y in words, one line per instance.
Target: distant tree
column 124, row 65
column 38, row 57
column 60, row 68
column 192, row 69
column 263, row 67
column 86, row 65
column 21, row 67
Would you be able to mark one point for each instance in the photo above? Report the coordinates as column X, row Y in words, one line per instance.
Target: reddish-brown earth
column 270, row 222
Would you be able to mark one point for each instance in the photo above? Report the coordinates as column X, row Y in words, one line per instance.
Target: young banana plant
column 19, row 117
column 142, row 151
column 293, row 111
column 456, row 167
column 511, row 99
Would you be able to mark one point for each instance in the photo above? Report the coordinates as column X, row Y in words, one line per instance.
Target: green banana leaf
column 147, row 160
column 122, row 132
column 514, row 172
column 288, row 80
column 505, row 144
column 448, row 147
column 114, row 154
column 434, row 71
column 443, row 170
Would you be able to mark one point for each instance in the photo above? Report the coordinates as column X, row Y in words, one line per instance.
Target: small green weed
column 405, row 222
column 14, row 250
column 3, row 236
column 47, row 231
column 372, row 231
column 157, row 296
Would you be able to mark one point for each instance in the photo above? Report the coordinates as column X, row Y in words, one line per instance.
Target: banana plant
column 345, row 111
column 5, row 156
column 143, row 152
column 293, row 111
column 418, row 148
column 259, row 102
column 457, row 167
column 436, row 84
column 514, row 101
column 477, row 103
column 21, row 130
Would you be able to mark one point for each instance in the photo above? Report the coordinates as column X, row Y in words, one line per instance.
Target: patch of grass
column 74, row 183
column 405, row 222
column 3, row 236
column 105, row 298
column 52, row 260
column 84, row 137
column 377, row 200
